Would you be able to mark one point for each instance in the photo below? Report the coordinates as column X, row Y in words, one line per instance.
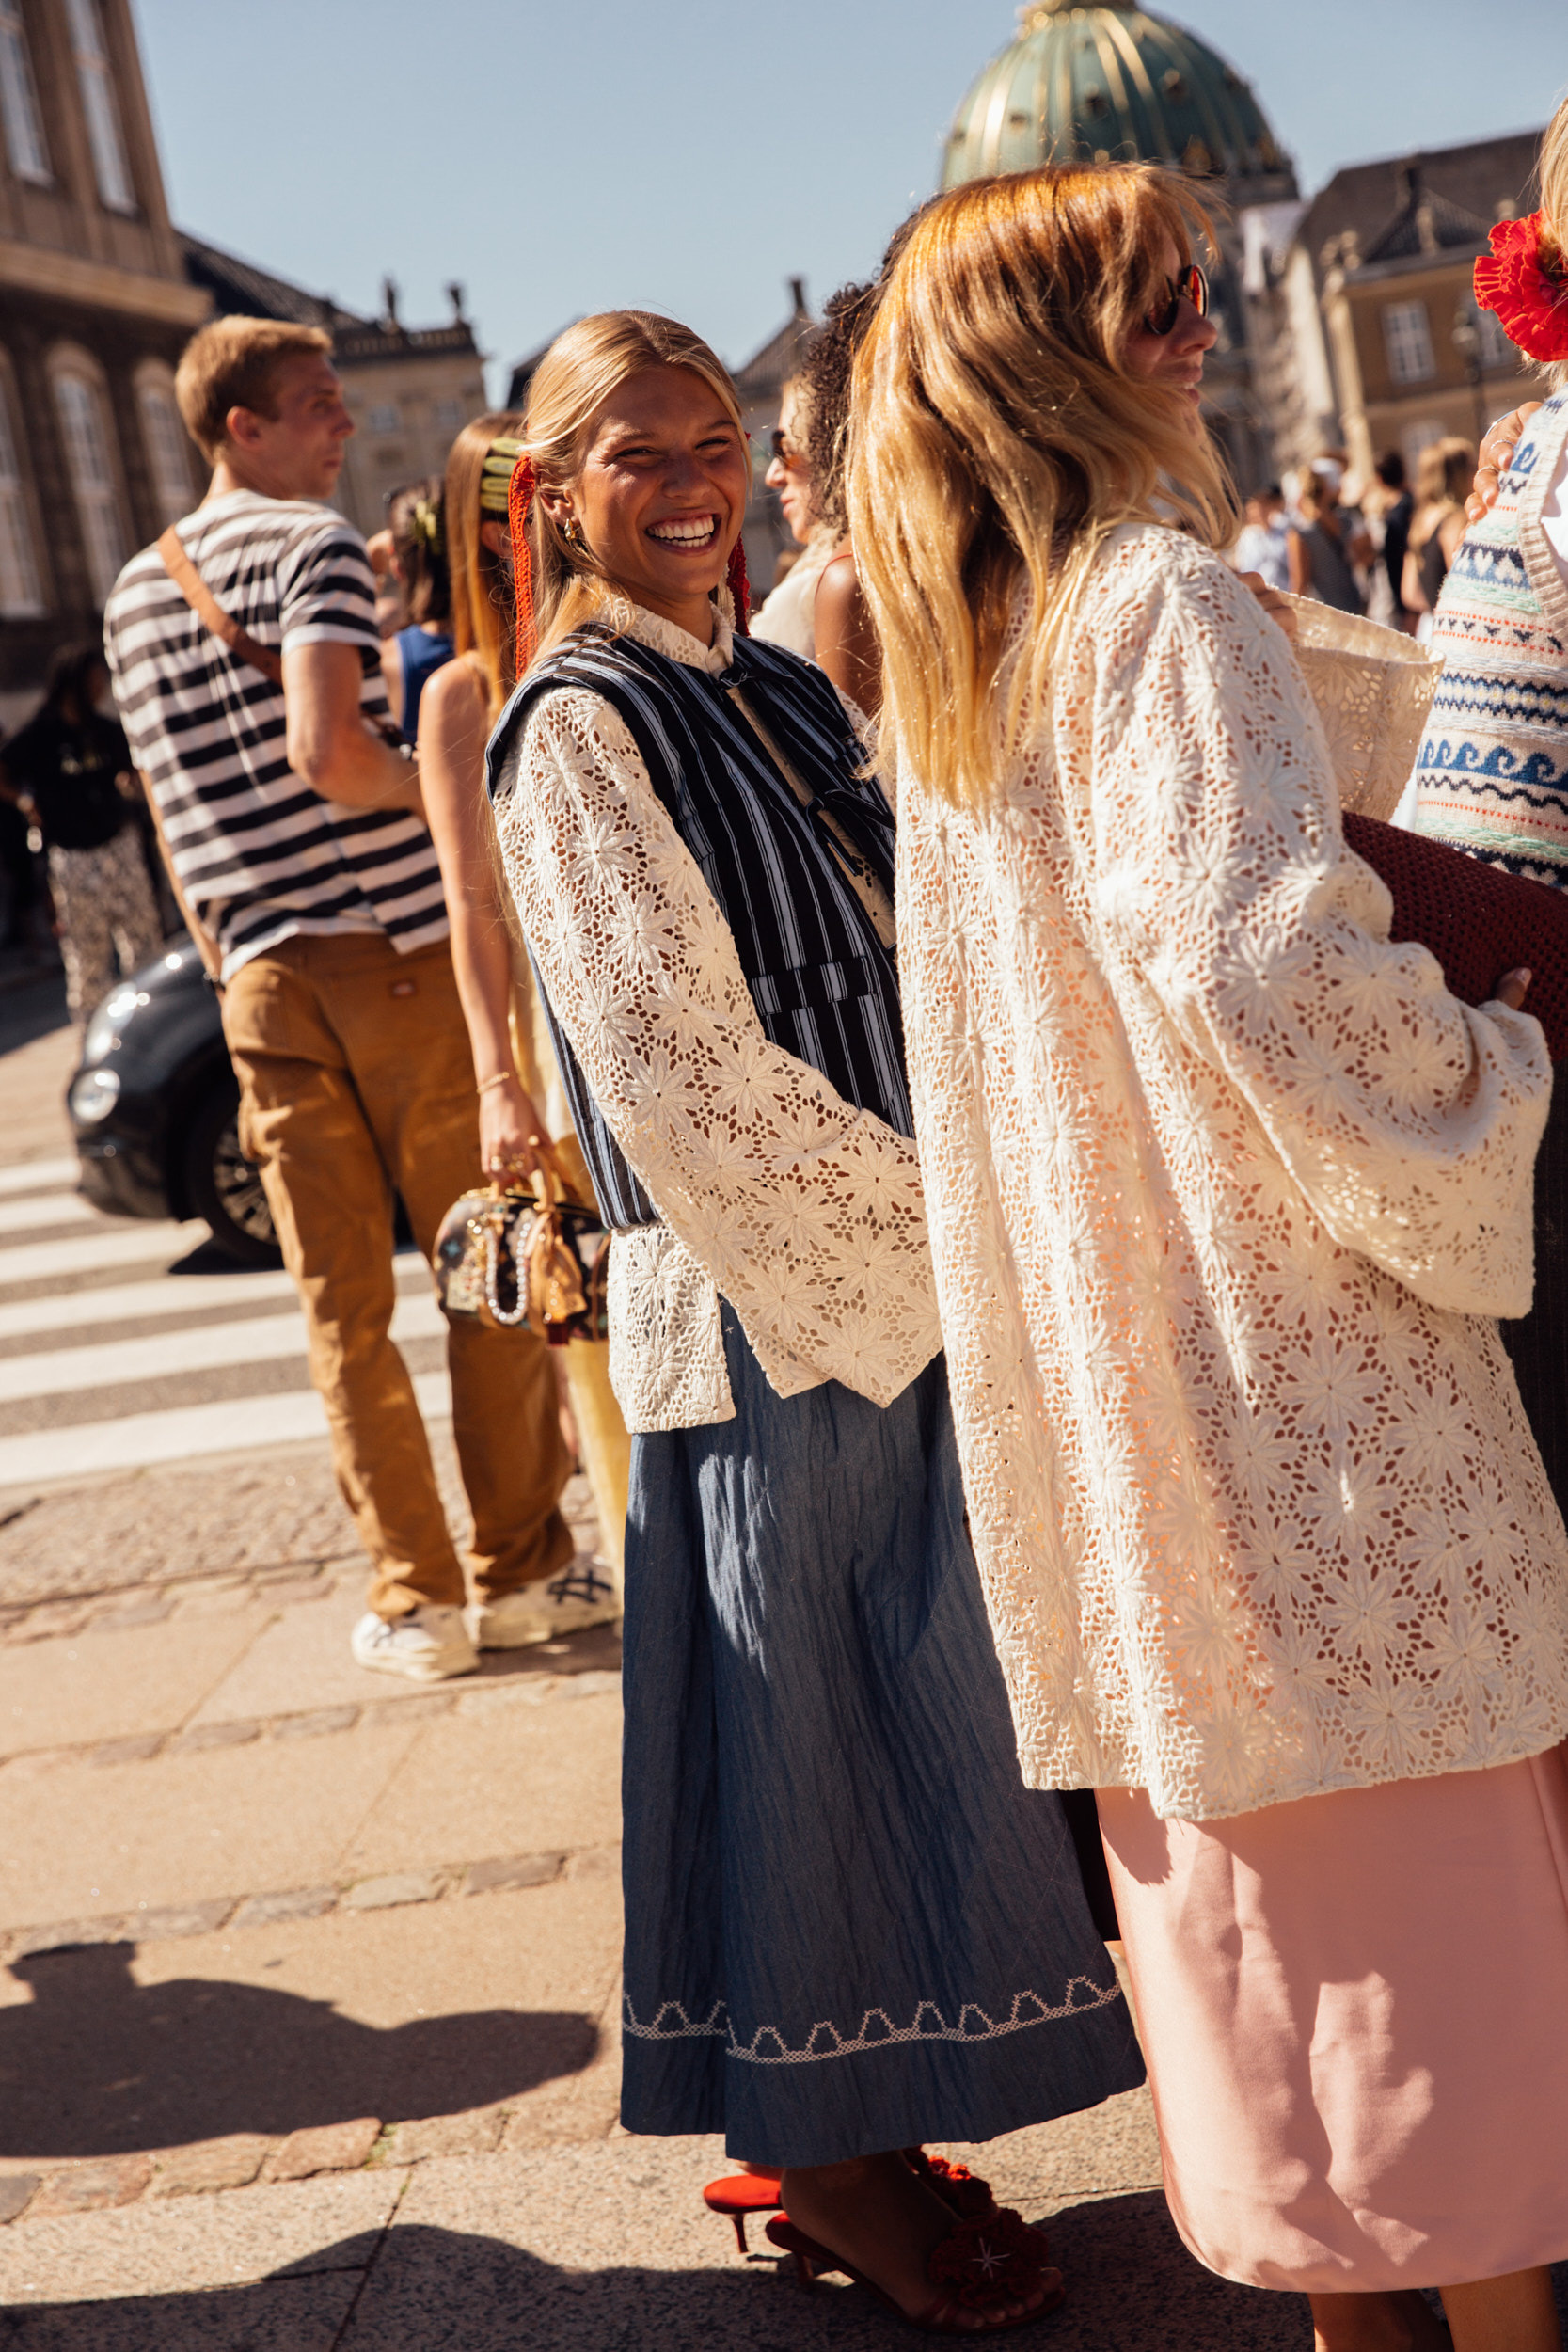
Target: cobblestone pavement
column 308, row 1977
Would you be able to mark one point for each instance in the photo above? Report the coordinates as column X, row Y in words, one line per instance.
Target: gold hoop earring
column 570, row 532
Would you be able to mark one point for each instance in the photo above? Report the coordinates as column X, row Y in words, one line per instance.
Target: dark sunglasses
column 1188, row 285
column 783, row 448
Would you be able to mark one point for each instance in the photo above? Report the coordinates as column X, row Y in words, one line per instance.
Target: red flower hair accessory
column 1521, row 281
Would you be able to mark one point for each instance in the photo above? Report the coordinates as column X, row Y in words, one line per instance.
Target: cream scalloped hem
column 1353, row 2014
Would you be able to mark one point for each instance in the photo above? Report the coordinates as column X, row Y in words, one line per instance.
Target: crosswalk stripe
column 39, row 1176
column 135, row 1243
column 39, row 1197
column 270, row 1339
column 52, row 1456
column 169, row 1295
column 49, row 1208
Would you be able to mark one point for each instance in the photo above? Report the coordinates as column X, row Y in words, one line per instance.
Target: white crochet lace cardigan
column 801, row 1211
column 1224, row 1192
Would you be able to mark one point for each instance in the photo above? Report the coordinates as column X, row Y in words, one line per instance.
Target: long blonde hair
column 1554, row 216
column 482, row 617
column 997, row 437
column 571, row 383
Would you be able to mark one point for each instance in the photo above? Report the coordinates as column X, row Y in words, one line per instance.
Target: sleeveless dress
column 788, row 616
column 422, row 655
column 849, row 1927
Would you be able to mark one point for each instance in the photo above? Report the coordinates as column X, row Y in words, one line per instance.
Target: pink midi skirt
column 1354, row 2013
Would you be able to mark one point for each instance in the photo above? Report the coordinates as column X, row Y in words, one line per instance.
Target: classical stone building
column 98, row 294
column 1390, row 351
column 410, row 388
column 1112, row 83
column 95, row 306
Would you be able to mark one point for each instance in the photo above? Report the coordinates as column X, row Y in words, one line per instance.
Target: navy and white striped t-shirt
column 258, row 854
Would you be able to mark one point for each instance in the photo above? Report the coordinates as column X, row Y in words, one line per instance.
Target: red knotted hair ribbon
column 739, row 588
column 520, row 499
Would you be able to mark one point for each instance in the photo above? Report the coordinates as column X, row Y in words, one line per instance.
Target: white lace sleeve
column 807, row 1213
column 1409, row 1120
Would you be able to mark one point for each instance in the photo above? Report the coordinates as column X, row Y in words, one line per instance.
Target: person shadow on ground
column 419, row 2287
column 99, row 2065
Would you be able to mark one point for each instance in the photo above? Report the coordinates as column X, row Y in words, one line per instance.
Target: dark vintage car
column 155, row 1107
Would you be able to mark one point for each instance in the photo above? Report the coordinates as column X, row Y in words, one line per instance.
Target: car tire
column 225, row 1188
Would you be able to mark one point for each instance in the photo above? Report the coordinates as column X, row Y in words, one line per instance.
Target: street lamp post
column 1467, row 341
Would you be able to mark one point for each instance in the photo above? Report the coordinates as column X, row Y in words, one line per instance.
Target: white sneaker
column 427, row 1645
column 541, row 1612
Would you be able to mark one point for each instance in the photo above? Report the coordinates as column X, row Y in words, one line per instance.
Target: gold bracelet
column 496, row 1078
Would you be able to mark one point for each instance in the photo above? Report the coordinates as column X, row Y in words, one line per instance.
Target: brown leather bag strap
column 178, row 565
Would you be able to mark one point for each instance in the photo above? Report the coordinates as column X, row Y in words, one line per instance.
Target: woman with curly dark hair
column 807, row 472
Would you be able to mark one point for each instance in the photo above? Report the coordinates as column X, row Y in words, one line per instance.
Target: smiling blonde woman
column 1224, row 1193
column 849, row 1928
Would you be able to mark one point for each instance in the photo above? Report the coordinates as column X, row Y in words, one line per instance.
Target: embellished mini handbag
column 526, row 1259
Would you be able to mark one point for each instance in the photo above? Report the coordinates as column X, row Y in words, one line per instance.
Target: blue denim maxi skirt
column 849, row 1926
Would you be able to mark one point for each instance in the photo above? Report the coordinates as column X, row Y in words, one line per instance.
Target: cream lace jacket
column 1225, row 1192
column 803, row 1212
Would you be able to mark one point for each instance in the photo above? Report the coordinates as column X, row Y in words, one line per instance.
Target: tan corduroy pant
column 357, row 1080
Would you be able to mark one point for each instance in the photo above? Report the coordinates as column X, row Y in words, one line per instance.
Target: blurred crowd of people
column 1379, row 545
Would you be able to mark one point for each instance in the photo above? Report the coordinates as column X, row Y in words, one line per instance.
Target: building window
column 96, row 75
column 1495, row 349
column 1419, row 435
column 21, row 597
column 87, row 448
column 19, row 104
column 448, row 415
column 1407, row 339
column 383, row 417
column 167, row 451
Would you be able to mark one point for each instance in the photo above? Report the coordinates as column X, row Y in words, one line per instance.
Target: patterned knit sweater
column 1492, row 772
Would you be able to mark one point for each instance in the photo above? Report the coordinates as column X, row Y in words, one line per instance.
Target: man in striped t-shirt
column 296, row 842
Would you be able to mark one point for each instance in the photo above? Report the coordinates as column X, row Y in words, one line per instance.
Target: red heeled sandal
column 740, row 2193
column 970, row 2197
column 982, row 2264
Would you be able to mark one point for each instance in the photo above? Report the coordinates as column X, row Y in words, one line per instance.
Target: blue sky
column 689, row 158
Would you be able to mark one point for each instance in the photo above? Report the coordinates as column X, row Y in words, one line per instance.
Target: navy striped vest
column 825, row 990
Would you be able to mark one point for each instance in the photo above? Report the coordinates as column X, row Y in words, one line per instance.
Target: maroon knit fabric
column 1477, row 921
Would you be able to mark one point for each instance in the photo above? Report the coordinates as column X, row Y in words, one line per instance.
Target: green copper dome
column 1109, row 84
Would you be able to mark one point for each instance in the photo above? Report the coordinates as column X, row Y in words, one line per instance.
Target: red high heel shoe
column 740, row 2193
column 954, row 2183
column 980, row 2265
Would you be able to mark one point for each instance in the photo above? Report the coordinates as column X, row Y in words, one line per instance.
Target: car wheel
column 225, row 1188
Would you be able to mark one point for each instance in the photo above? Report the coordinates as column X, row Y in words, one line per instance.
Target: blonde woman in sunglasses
column 1226, row 1192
